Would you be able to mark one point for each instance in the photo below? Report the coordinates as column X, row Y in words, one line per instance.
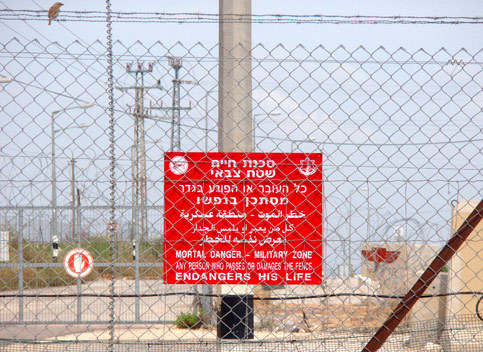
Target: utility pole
column 235, row 77
column 138, row 157
column 235, row 119
column 176, row 63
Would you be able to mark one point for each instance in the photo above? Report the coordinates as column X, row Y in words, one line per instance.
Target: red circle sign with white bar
column 78, row 263
column 243, row 218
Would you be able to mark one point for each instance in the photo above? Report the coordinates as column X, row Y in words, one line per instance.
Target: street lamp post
column 54, row 179
column 254, row 125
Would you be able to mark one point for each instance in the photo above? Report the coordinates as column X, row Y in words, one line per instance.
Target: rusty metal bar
column 425, row 280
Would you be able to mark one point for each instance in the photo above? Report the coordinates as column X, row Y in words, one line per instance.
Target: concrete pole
column 235, row 99
column 235, row 77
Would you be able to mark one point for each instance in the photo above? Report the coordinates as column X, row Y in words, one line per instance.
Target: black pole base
column 235, row 320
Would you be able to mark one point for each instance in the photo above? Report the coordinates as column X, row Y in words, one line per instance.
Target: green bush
column 188, row 321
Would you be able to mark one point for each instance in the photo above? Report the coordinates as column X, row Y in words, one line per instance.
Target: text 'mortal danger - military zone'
column 243, row 218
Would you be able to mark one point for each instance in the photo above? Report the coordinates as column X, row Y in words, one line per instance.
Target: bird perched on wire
column 54, row 11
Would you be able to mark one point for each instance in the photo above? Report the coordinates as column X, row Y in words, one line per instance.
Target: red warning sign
column 78, row 263
column 243, row 218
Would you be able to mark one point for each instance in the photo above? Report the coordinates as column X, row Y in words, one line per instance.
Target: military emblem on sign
column 307, row 167
column 178, row 165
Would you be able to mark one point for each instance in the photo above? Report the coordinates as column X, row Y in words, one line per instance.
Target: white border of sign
column 84, row 273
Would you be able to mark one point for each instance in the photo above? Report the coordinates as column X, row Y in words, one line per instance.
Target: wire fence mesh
column 400, row 137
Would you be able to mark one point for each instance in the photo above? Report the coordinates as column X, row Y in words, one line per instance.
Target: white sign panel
column 4, row 246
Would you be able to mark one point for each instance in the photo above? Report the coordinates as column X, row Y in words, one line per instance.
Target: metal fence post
column 78, row 215
column 20, row 270
column 136, row 275
column 79, row 283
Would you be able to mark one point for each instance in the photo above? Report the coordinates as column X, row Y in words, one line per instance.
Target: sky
column 341, row 124
column 412, row 37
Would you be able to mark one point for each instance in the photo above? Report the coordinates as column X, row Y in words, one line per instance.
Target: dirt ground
column 318, row 317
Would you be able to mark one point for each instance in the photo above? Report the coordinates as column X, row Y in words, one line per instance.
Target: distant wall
column 466, row 267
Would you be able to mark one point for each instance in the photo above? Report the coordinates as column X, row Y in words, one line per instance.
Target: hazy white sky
column 412, row 37
column 407, row 116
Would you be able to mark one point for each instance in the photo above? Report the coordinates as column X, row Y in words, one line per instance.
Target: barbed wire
column 199, row 17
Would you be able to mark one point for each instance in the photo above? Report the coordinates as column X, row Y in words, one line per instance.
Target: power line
column 87, row 56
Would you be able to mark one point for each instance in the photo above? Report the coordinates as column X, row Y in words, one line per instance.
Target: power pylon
column 176, row 63
column 138, row 151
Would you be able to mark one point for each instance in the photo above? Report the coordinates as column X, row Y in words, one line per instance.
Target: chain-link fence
column 399, row 139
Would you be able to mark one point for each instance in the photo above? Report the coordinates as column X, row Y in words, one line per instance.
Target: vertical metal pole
column 406, row 210
column 133, row 191
column 76, row 236
column 53, row 226
column 176, row 63
column 78, row 225
column 72, row 161
column 441, row 323
column 206, row 121
column 178, row 108
column 143, row 190
column 173, row 118
column 350, row 234
column 324, row 217
column 136, row 171
column 138, row 146
column 136, row 278
column 20, row 270
column 368, row 220
column 29, row 230
column 79, row 300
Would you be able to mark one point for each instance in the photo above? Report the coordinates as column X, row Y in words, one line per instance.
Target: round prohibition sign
column 78, row 263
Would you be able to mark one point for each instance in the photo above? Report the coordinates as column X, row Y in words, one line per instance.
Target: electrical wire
column 128, row 57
